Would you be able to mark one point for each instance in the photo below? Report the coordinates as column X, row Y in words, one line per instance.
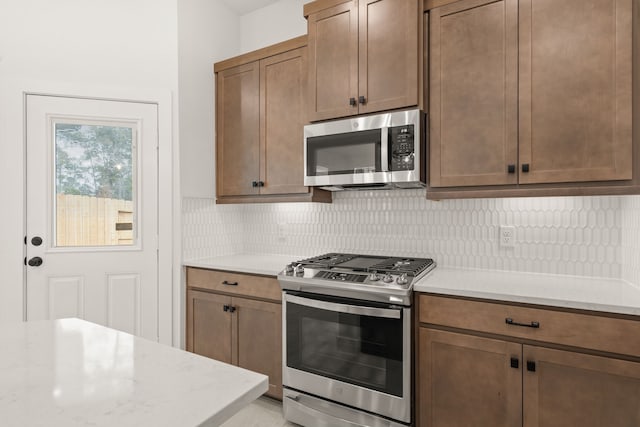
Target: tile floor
column 264, row 412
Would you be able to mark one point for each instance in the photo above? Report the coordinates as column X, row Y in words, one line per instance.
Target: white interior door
column 92, row 212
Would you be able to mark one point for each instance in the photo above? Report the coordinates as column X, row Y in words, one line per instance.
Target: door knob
column 36, row 241
column 36, row 261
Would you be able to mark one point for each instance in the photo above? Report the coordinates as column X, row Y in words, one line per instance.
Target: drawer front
column 234, row 283
column 594, row 332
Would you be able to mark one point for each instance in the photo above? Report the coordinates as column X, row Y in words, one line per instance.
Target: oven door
column 349, row 351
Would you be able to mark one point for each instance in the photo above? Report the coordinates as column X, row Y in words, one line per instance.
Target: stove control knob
column 387, row 278
column 402, row 279
column 299, row 270
column 288, row 270
column 374, row 276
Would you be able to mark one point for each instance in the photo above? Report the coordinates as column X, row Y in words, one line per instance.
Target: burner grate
column 410, row 266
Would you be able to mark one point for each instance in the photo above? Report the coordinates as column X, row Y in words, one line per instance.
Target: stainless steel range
column 347, row 339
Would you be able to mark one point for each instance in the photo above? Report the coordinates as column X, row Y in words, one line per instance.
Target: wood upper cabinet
column 575, row 90
column 282, row 117
column 544, row 368
column 260, row 115
column 363, row 56
column 237, row 130
column 333, row 62
column 474, row 93
column 237, row 319
column 533, row 96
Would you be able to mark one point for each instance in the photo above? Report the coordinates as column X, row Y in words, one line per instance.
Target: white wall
column 75, row 47
column 272, row 24
column 208, row 31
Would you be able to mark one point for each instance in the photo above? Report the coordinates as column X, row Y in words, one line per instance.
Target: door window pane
column 94, row 184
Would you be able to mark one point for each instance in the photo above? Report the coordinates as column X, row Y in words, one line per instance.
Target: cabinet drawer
column 234, row 283
column 614, row 335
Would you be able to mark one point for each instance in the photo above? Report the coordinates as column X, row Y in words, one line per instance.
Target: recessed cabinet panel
column 571, row 389
column 209, row 325
column 473, row 87
column 333, row 62
column 259, row 326
column 388, row 54
column 469, row 381
column 237, row 115
column 282, row 117
column 575, row 90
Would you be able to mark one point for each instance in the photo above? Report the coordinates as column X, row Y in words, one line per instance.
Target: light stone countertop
column 584, row 293
column 71, row 372
column 268, row 265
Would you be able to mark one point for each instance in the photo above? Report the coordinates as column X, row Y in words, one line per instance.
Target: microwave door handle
column 384, row 149
column 344, row 308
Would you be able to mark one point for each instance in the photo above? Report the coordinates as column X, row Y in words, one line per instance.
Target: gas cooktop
column 368, row 277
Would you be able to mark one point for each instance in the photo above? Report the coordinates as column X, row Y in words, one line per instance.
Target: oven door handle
column 345, row 308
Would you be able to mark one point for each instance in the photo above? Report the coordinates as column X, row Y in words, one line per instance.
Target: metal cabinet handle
column 362, row 99
column 353, row 102
column 510, row 321
column 345, row 308
column 531, row 366
column 511, row 168
column 525, row 167
column 254, row 183
column 230, row 283
column 232, row 309
column 515, row 363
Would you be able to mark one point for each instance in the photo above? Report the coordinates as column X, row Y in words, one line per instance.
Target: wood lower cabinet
column 468, row 381
column 468, row 375
column 363, row 56
column 242, row 330
column 260, row 114
column 522, row 106
column 572, row 389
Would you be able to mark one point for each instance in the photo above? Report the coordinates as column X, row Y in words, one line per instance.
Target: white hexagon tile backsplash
column 587, row 236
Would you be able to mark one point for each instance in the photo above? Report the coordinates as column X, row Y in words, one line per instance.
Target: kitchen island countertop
column 575, row 292
column 70, row 372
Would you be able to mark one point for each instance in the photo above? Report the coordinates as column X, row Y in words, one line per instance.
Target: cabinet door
column 468, row 381
column 388, row 54
column 572, row 389
column 258, row 340
column 575, row 90
column 283, row 80
column 333, row 62
column 237, row 130
column 473, row 48
column 209, row 325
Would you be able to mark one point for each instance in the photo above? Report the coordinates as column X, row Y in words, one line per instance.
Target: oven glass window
column 362, row 350
column 345, row 153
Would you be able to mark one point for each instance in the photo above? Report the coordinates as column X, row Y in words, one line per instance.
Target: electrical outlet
column 281, row 233
column 507, row 236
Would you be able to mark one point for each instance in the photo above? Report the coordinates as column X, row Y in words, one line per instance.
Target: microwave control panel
column 401, row 148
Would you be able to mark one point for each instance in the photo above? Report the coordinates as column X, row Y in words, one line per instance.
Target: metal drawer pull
column 510, row 321
column 230, row 283
column 345, row 308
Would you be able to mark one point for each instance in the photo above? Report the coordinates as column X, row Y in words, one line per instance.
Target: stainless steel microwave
column 377, row 151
